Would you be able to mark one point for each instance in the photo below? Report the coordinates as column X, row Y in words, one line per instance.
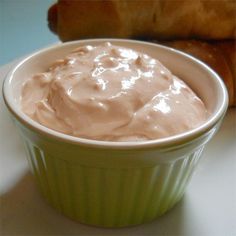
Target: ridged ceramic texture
column 111, row 197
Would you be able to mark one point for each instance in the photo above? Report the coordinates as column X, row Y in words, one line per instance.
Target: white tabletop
column 207, row 209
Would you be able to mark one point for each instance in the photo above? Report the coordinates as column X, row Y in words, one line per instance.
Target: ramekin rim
column 162, row 142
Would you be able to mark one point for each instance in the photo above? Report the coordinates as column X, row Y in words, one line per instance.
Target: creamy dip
column 111, row 93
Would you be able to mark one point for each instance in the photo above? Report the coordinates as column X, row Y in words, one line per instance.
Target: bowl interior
column 205, row 83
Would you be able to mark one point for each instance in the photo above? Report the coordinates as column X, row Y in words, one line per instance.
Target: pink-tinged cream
column 112, row 93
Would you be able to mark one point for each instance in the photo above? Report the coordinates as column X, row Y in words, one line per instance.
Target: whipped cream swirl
column 107, row 92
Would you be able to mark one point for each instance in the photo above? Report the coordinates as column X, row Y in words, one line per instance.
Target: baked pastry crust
column 169, row 19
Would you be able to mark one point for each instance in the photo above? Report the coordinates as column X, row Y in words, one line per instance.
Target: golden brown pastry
column 159, row 19
column 220, row 56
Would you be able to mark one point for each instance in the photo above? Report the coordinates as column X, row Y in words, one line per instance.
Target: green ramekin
column 115, row 184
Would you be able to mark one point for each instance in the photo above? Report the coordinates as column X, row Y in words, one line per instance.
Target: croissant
column 168, row 19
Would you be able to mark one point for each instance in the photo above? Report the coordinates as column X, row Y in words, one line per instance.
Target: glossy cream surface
column 111, row 93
